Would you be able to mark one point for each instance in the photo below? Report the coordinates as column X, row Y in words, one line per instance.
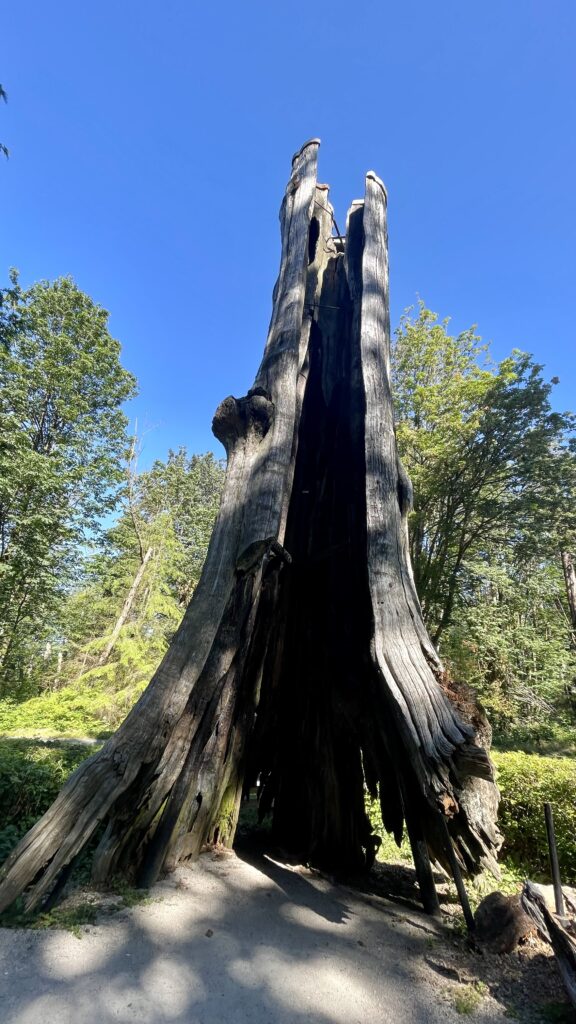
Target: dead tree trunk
column 303, row 655
column 126, row 607
column 570, row 583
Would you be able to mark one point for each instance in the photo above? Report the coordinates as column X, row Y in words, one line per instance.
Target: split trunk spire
column 303, row 656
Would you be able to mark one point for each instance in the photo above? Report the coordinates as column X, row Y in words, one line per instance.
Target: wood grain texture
column 552, row 929
column 401, row 645
column 303, row 656
column 148, row 752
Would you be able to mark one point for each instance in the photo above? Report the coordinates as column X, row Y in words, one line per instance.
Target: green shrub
column 534, row 737
column 388, row 851
column 526, row 782
column 72, row 711
column 30, row 777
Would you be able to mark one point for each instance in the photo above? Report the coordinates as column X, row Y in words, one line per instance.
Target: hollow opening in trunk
column 308, row 738
column 313, row 236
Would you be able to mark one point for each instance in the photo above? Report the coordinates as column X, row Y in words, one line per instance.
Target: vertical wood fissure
column 303, row 654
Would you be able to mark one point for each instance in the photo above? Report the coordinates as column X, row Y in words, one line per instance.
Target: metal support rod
column 554, row 865
column 457, row 876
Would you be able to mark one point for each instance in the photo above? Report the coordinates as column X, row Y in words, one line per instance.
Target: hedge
column 31, row 775
column 526, row 782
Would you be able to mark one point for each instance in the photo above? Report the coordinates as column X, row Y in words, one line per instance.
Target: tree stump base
column 303, row 656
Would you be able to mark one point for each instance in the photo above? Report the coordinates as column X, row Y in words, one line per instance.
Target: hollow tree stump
column 303, row 655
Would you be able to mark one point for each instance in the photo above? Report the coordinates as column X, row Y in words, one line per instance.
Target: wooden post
column 554, row 865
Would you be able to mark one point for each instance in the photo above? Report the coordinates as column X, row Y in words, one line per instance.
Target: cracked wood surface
column 305, row 620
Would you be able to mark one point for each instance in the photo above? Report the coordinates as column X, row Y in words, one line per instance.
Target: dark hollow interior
column 311, row 742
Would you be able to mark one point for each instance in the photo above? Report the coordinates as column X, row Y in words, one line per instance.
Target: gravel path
column 232, row 942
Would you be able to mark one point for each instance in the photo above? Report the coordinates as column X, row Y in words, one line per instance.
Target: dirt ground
column 245, row 939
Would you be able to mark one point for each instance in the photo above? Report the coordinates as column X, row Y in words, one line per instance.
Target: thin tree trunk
column 570, row 583
column 306, row 611
column 12, row 635
column 126, row 607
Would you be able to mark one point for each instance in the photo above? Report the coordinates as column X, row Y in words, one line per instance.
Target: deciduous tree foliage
column 62, row 443
column 494, row 474
column 490, row 461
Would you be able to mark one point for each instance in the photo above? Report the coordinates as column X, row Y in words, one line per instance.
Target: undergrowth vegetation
column 31, row 775
column 32, row 772
column 75, row 711
column 526, row 782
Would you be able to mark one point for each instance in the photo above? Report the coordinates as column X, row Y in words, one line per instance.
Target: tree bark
column 303, row 655
column 570, row 583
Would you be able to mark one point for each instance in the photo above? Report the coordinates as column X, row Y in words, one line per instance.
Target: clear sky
column 150, row 145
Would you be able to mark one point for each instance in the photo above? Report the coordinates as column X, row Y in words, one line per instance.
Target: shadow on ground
column 224, row 941
column 240, row 940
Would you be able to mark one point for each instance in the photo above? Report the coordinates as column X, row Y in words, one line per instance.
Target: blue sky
column 150, row 145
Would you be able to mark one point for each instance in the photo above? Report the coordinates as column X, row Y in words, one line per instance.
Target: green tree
column 494, row 475
column 187, row 488
column 489, row 459
column 62, row 442
column 119, row 622
column 510, row 641
column 11, row 310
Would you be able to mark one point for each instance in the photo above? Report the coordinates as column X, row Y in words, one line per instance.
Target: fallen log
column 553, row 930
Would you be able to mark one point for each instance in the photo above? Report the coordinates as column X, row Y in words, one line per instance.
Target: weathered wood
column 551, row 929
column 570, row 583
column 500, row 923
column 421, row 856
column 306, row 613
column 430, row 729
column 401, row 645
column 553, row 854
column 147, row 753
column 457, row 876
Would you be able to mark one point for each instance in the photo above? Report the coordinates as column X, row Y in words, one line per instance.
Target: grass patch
column 73, row 711
column 130, row 896
column 467, row 998
column 69, row 919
